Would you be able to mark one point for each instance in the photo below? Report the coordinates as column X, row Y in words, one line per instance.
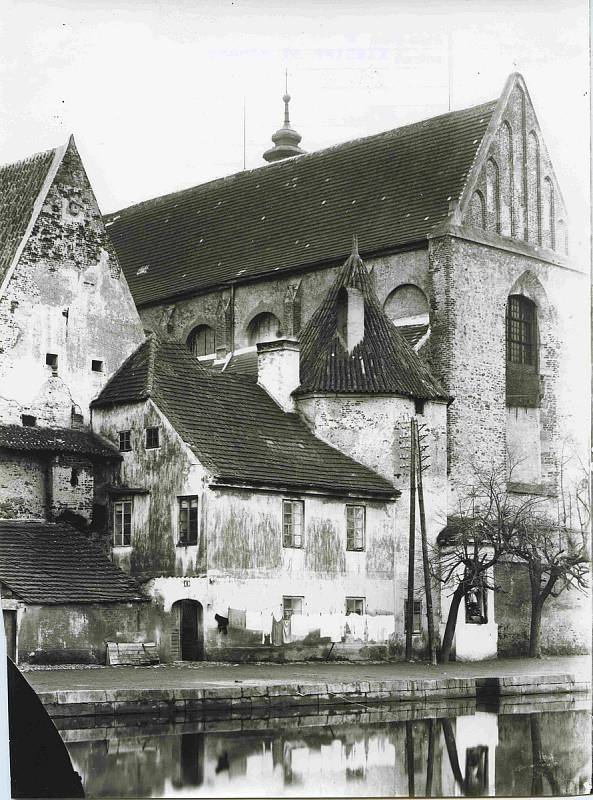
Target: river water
column 458, row 748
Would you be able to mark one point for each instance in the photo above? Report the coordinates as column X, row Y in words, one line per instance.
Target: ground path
column 207, row 674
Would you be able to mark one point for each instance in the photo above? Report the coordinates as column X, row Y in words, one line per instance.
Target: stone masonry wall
column 470, row 284
column 22, row 486
column 66, row 297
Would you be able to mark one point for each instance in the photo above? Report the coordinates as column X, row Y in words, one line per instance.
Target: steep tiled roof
column 382, row 362
column 233, row 426
column 49, row 563
column 55, row 440
column 20, row 185
column 392, row 188
column 412, row 333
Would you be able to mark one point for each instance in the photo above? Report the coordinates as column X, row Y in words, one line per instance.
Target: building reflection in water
column 472, row 754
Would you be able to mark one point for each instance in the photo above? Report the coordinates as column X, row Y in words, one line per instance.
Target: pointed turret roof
column 381, row 363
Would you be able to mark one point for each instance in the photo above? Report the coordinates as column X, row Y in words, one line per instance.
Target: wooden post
column 411, row 542
column 425, row 565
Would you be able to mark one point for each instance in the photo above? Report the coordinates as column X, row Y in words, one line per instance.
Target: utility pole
column 425, row 565
column 411, row 542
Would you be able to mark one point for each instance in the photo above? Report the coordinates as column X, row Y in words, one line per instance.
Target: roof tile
column 47, row 563
column 392, row 189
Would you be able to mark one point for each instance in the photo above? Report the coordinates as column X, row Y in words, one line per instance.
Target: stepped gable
column 382, row 362
column 393, row 188
column 236, row 430
column 49, row 564
column 21, row 184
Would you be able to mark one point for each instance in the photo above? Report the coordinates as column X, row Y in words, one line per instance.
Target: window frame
column 190, row 499
column 479, row 616
column 120, row 513
column 152, row 428
column 122, row 434
column 521, row 336
column 209, row 332
column 287, row 608
column 416, row 618
column 351, row 534
column 361, row 600
column 288, row 533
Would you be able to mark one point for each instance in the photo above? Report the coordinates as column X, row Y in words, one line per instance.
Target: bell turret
column 286, row 139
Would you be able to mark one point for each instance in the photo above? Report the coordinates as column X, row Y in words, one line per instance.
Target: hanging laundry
column 266, row 621
column 253, row 620
column 299, row 626
column 237, row 618
column 357, row 625
column 287, row 631
column 278, row 632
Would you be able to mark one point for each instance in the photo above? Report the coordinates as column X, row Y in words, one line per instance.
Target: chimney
column 350, row 316
column 278, row 370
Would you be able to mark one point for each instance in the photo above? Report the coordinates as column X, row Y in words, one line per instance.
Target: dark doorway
column 10, row 631
column 191, row 635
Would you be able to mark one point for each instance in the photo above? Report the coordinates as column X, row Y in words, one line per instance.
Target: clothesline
column 365, row 627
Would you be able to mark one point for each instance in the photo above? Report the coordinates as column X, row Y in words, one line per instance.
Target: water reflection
column 536, row 749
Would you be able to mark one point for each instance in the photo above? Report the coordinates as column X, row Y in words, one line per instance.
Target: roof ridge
column 214, row 182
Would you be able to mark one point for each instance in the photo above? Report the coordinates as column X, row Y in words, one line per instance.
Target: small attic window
column 28, row 420
column 51, row 360
column 96, row 365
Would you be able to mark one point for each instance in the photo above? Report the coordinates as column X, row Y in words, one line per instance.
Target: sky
column 156, row 92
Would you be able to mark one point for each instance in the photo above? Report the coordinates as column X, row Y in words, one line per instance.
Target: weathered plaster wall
column 67, row 296
column 167, row 472
column 72, row 486
column 566, row 620
column 79, row 633
column 376, row 432
column 22, row 486
column 271, row 295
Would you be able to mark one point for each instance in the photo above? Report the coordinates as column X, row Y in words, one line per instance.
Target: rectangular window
column 125, row 441
column 355, row 525
column 293, row 513
column 188, row 521
column 152, row 438
column 28, row 420
column 417, row 623
column 51, row 359
column 355, row 605
column 291, row 605
column 521, row 331
column 96, row 366
column 122, row 523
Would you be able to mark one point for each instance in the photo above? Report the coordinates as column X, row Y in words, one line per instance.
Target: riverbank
column 248, row 689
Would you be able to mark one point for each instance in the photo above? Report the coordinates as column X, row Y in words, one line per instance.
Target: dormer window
column 350, row 316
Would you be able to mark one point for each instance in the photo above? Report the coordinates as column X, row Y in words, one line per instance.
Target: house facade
column 230, row 436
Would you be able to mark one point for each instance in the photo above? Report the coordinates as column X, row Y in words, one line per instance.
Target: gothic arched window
column 202, row 341
column 265, row 327
column 522, row 352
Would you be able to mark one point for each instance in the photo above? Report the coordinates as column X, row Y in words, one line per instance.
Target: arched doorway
column 190, row 616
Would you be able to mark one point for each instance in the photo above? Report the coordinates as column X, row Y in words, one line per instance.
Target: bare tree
column 557, row 559
column 493, row 524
